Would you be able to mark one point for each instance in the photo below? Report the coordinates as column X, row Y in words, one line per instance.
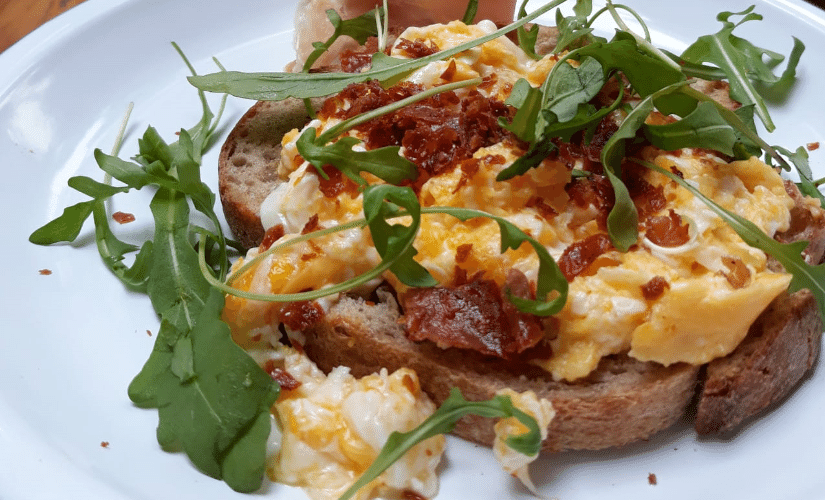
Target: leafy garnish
column 212, row 399
column 744, row 63
column 442, row 422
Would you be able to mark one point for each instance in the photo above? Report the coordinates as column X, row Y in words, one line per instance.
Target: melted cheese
column 699, row 316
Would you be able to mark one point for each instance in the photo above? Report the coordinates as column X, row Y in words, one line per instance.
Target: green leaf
column 527, row 100
column 215, row 411
column 574, row 30
column 177, row 288
column 744, row 63
column 385, row 163
column 93, row 188
column 571, row 86
column 443, row 421
column 704, row 127
column 395, row 241
column 66, row 227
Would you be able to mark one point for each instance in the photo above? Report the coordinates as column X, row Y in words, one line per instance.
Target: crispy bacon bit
column 677, row 172
column 648, row 198
column 123, row 217
column 283, row 377
column 355, row 61
column 475, row 316
column 301, row 315
column 462, row 253
column 577, row 257
column 104, row 444
column 651, row 479
column 311, row 225
column 436, row 132
column 812, row 146
column 336, row 183
column 272, row 235
column 739, row 275
column 667, row 231
column 593, row 190
column 416, row 49
column 545, row 210
column 450, row 72
column 654, row 288
column 45, row 272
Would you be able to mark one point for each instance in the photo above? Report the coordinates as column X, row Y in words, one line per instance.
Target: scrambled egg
column 699, row 316
column 331, row 428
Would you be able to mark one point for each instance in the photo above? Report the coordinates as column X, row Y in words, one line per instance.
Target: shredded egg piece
column 512, row 461
column 331, row 428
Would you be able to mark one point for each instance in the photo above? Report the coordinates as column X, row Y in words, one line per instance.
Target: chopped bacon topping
column 739, row 275
column 577, row 257
column 301, row 315
column 283, row 377
column 123, row 217
column 436, row 132
column 667, row 230
column 417, row 48
column 474, row 315
column 336, row 183
column 272, row 235
column 654, row 288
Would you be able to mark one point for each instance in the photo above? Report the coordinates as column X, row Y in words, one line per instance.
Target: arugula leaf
column 396, row 240
column 623, row 219
column 574, row 30
column 743, row 62
column 64, row 228
column 806, row 183
column 789, row 255
column 217, row 403
column 443, row 421
column 386, row 163
column 527, row 37
column 704, row 127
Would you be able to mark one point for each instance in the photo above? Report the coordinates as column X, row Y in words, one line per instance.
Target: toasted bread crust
column 623, row 401
column 248, row 163
column 780, row 348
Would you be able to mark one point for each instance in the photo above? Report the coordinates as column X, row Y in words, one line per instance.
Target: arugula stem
column 643, row 43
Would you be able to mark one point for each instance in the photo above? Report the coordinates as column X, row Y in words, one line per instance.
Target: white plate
column 72, row 340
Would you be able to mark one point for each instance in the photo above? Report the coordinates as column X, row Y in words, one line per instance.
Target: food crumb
column 651, row 479
column 45, row 272
column 813, row 146
column 123, row 217
column 104, row 444
column 149, row 332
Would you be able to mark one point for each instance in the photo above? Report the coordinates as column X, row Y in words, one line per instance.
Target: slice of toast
column 624, row 400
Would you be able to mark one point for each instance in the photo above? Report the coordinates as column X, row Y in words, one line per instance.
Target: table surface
column 19, row 17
